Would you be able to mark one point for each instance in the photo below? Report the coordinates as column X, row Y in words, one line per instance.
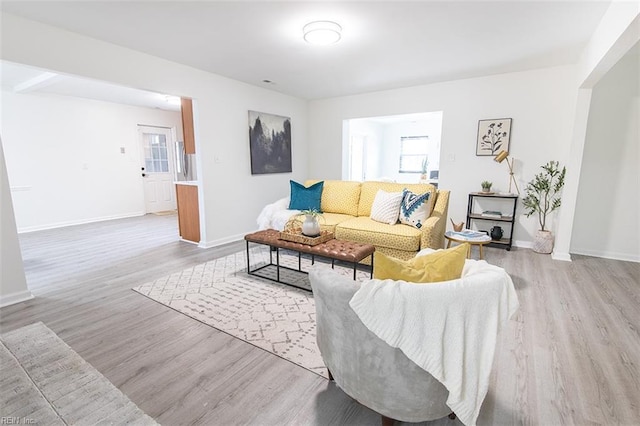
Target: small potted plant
column 423, row 173
column 486, row 186
column 543, row 198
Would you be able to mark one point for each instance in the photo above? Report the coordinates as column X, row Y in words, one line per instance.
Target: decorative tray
column 296, row 236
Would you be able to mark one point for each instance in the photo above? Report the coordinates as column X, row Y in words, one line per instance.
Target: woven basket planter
column 543, row 242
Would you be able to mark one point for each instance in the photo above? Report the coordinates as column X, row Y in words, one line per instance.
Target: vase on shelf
column 496, row 233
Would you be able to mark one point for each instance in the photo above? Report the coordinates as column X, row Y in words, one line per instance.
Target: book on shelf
column 492, row 214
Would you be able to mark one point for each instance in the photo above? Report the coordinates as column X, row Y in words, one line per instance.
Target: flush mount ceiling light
column 322, row 32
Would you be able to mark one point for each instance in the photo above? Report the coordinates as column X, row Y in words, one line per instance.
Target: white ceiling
column 385, row 44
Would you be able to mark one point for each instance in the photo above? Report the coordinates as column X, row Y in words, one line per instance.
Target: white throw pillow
column 386, row 207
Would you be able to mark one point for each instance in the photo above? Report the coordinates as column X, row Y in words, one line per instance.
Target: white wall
column 64, row 161
column 540, row 102
column 13, row 284
column 607, row 219
column 231, row 197
column 617, row 32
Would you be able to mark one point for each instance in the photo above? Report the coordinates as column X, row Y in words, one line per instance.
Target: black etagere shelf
column 472, row 215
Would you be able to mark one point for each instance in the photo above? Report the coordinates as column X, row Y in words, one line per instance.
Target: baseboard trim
column 28, row 229
column 13, row 298
column 222, row 241
column 522, row 244
column 189, row 241
column 625, row 257
column 566, row 257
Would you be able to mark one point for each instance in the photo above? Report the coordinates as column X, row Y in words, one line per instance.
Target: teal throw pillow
column 303, row 198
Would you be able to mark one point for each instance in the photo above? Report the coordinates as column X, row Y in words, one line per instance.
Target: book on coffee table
column 468, row 235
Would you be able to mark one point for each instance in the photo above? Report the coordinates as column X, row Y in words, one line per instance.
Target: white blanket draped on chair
column 449, row 329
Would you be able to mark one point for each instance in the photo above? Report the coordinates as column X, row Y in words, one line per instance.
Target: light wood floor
column 571, row 355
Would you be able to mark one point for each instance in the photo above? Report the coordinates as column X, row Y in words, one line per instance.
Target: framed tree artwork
column 269, row 143
column 493, row 136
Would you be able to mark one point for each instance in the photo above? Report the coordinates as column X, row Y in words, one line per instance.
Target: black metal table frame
column 278, row 266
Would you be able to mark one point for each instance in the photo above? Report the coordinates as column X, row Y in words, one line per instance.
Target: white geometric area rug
column 277, row 318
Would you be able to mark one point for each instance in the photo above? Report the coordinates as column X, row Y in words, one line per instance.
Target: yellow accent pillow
column 442, row 265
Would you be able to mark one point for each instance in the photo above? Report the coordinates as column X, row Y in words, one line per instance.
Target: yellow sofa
column 346, row 207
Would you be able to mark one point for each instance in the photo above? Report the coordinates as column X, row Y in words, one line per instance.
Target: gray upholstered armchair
column 366, row 368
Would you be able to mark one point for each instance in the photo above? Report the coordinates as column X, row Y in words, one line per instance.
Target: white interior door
column 157, row 168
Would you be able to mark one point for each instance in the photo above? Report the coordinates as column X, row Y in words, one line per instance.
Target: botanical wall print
column 270, row 143
column 493, row 136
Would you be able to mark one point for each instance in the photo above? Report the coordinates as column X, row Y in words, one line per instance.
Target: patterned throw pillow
column 303, row 198
column 386, row 207
column 415, row 208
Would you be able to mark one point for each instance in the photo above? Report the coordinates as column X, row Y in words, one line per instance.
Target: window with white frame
column 413, row 154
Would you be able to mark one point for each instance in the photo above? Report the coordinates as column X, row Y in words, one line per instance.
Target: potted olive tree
column 542, row 198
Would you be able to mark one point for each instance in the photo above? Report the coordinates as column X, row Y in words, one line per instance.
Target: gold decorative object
column 457, row 227
column 504, row 155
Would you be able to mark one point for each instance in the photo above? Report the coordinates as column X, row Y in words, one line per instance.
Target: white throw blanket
column 276, row 215
column 449, row 329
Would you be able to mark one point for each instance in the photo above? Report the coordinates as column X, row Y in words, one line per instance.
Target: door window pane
column 156, row 154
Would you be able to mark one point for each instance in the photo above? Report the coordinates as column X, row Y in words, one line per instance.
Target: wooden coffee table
column 344, row 251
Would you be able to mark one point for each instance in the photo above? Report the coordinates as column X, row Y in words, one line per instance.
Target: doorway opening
column 399, row 148
column 95, row 167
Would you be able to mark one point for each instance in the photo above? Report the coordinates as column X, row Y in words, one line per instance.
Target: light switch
column 451, row 158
